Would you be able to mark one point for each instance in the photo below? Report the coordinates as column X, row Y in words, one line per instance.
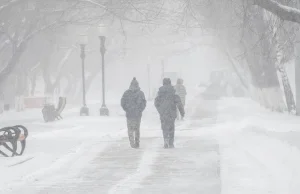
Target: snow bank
column 57, row 146
column 249, row 113
column 257, row 152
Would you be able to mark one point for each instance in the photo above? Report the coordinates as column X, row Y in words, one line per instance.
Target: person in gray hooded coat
column 181, row 92
column 133, row 103
column 166, row 104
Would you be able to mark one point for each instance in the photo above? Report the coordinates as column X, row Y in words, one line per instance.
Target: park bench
column 13, row 140
column 50, row 113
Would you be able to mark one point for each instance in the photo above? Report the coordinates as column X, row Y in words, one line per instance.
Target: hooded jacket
column 167, row 101
column 180, row 90
column 133, row 100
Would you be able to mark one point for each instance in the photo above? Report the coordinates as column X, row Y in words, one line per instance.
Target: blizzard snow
column 230, row 146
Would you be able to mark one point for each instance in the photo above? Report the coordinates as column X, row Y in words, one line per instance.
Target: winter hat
column 134, row 85
column 166, row 81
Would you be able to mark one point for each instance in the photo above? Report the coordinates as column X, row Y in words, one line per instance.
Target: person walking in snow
column 166, row 104
column 181, row 92
column 133, row 103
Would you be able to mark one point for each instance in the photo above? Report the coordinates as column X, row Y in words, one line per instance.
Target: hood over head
column 166, row 90
column 166, row 81
column 179, row 81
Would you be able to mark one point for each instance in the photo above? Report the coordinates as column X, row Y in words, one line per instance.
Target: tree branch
column 284, row 12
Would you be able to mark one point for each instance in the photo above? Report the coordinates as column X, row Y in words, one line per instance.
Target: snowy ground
column 230, row 146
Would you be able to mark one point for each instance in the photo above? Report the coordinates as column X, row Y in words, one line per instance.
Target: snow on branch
column 10, row 3
column 36, row 31
column 284, row 12
column 95, row 3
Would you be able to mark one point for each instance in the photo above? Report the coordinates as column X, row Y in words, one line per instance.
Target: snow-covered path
column 117, row 168
column 151, row 169
column 230, row 146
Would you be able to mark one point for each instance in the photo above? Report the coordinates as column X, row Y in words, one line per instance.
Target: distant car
column 222, row 82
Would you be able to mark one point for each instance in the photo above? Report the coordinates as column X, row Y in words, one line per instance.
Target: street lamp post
column 84, row 111
column 103, row 110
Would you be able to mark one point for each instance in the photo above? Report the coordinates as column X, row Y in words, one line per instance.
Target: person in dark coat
column 133, row 103
column 166, row 104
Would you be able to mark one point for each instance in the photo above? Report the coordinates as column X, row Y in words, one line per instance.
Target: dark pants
column 168, row 128
column 133, row 125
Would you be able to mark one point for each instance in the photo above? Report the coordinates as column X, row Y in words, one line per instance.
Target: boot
column 137, row 144
column 171, row 143
column 166, row 143
column 131, row 136
column 132, row 144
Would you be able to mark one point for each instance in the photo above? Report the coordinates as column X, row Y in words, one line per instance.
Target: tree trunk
column 261, row 58
column 88, row 84
column 284, row 12
column 13, row 61
column 297, row 77
column 49, row 92
column 290, row 102
column 21, row 85
column 33, row 84
column 71, row 84
column 234, row 66
column 49, row 87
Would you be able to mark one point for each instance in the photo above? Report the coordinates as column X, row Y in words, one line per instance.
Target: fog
column 153, row 96
column 41, row 52
column 193, row 67
column 137, row 53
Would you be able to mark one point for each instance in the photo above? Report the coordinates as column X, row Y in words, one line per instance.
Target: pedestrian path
column 192, row 167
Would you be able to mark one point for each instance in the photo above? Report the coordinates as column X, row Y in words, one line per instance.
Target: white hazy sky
column 194, row 67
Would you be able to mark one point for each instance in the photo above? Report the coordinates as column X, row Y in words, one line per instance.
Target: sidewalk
column 111, row 166
column 51, row 147
column 217, row 151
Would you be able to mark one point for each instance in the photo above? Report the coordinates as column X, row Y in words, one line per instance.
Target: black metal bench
column 50, row 113
column 13, row 140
